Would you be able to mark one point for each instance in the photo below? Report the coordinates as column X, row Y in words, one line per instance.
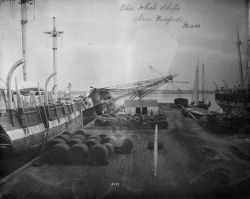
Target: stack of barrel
column 82, row 148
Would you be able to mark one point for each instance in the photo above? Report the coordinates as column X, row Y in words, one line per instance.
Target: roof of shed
column 141, row 103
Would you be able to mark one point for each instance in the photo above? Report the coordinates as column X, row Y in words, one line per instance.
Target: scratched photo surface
column 102, row 44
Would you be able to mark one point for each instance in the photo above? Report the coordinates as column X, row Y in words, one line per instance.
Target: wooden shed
column 142, row 107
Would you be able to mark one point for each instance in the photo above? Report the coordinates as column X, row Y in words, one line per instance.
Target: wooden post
column 155, row 150
column 40, row 98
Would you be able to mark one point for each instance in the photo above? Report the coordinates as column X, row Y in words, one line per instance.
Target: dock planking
column 190, row 163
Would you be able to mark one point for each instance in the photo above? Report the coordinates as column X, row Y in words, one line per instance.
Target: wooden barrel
column 78, row 154
column 98, row 155
column 81, row 137
column 126, row 146
column 58, row 153
column 66, row 133
column 163, row 124
column 106, row 123
column 74, row 141
column 65, row 137
column 97, row 137
column 110, row 148
column 151, row 145
column 53, row 142
column 99, row 122
column 91, row 142
column 79, row 132
column 110, row 139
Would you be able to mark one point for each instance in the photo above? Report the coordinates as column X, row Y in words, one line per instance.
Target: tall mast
column 196, row 84
column 248, row 46
column 202, row 89
column 24, row 21
column 240, row 61
column 54, row 33
column 1, row 62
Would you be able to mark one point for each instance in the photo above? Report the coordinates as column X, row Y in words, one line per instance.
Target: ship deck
column 193, row 163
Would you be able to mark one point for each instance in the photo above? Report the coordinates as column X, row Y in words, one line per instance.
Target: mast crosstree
column 54, row 34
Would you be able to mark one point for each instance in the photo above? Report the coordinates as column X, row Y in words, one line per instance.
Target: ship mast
column 202, row 88
column 197, row 82
column 54, row 33
column 248, row 46
column 196, row 85
column 240, row 61
column 24, row 21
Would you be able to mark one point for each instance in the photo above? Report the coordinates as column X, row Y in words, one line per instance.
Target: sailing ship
column 236, row 101
column 32, row 115
column 196, row 92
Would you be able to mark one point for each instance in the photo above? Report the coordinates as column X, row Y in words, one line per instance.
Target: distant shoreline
column 83, row 93
column 172, row 92
column 181, row 91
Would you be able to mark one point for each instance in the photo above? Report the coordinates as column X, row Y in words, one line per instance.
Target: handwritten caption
column 167, row 13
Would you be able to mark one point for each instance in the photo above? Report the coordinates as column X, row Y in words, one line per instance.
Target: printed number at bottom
column 116, row 184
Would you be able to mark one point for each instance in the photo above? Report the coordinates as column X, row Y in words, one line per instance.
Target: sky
column 111, row 42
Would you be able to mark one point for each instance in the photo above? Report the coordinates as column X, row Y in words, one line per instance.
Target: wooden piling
column 155, row 150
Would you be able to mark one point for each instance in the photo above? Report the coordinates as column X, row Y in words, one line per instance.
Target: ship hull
column 235, row 108
column 16, row 138
column 236, row 101
column 24, row 138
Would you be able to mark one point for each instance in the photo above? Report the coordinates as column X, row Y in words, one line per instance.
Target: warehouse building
column 144, row 107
